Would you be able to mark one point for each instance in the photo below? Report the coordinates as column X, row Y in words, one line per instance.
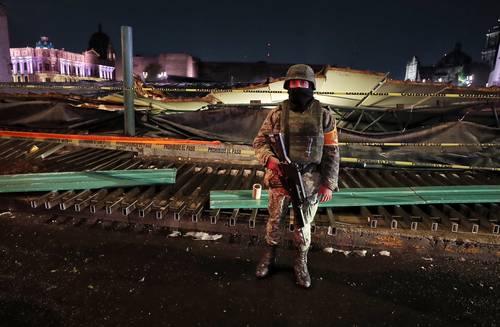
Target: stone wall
column 171, row 64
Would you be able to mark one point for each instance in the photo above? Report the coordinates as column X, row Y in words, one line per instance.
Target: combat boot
column 302, row 278
column 267, row 261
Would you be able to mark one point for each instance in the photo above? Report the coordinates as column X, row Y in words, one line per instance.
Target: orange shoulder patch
column 332, row 138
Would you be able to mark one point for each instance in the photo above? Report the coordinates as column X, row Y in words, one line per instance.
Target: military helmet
column 300, row 71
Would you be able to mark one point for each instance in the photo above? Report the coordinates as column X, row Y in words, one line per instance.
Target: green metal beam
column 459, row 194
column 85, row 180
column 355, row 197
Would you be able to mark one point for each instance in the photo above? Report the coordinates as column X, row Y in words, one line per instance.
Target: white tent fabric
column 356, row 81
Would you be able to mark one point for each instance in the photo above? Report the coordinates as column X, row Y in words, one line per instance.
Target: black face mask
column 300, row 98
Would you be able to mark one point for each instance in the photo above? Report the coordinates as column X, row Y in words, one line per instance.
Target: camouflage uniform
column 326, row 173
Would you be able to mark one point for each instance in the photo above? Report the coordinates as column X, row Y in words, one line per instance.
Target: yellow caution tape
column 190, row 147
column 339, row 93
column 58, row 87
column 482, row 95
column 484, row 145
column 413, row 164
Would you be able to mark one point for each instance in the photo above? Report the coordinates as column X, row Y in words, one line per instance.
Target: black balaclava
column 300, row 98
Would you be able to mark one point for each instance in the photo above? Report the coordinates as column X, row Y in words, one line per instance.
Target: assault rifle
column 291, row 179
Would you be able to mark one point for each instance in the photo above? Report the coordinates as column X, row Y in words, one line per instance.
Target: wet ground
column 60, row 275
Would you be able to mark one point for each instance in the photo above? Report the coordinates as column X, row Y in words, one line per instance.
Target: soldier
column 311, row 140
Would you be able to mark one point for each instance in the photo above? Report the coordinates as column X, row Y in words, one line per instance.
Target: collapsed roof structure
column 391, row 133
column 369, row 107
column 356, row 84
column 344, row 87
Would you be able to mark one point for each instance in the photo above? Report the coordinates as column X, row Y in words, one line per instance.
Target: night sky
column 374, row 35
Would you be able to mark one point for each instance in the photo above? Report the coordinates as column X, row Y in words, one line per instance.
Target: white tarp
column 349, row 80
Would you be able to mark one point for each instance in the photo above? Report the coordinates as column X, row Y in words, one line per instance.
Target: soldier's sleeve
column 262, row 149
column 330, row 161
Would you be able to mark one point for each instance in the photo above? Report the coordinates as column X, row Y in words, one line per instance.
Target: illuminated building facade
column 44, row 63
column 455, row 67
column 491, row 54
column 490, row 51
column 494, row 79
column 412, row 70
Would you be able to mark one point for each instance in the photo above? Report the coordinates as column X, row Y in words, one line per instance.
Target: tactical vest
column 303, row 132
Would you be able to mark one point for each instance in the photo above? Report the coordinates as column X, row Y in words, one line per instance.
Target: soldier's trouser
column 278, row 207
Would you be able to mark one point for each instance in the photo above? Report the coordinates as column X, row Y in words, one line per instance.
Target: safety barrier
column 353, row 197
column 85, row 180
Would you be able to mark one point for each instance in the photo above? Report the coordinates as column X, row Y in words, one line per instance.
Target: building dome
column 455, row 58
column 44, row 43
column 100, row 43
